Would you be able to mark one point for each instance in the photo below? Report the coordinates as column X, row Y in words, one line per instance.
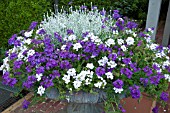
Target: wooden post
column 56, row 6
column 153, row 15
column 166, row 35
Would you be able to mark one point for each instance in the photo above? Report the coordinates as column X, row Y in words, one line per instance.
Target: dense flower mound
column 72, row 53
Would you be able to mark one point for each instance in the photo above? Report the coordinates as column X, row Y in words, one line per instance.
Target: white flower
column 63, row 47
column 123, row 47
column 38, row 76
column 115, row 32
column 167, row 77
column 27, row 41
column 66, row 78
column 153, row 46
column 117, row 90
column 90, row 65
column 30, row 52
column 72, row 37
column 150, row 30
column 71, row 72
column 112, row 64
column 1, row 68
column 93, row 38
column 28, row 34
column 166, row 63
column 130, row 41
column 98, row 84
column 77, row 84
column 109, row 75
column 88, row 81
column 77, row 46
column 134, row 34
column 20, row 38
column 41, row 90
column 85, row 39
column 158, row 55
column 129, row 31
column 20, row 56
column 110, row 42
column 120, row 41
column 148, row 39
column 103, row 61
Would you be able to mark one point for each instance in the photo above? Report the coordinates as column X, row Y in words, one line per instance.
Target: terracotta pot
column 133, row 106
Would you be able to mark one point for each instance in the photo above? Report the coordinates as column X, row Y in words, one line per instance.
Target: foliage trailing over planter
column 136, row 9
column 82, row 50
column 16, row 15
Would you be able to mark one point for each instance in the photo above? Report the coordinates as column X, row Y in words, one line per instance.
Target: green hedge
column 136, row 9
column 16, row 15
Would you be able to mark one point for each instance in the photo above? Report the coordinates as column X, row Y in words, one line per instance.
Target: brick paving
column 47, row 106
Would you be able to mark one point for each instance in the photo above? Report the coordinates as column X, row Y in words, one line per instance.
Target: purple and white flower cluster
column 117, row 60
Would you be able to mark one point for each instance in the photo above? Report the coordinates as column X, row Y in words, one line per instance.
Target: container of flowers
column 90, row 58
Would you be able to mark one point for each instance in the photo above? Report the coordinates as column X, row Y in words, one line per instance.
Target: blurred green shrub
column 135, row 9
column 16, row 15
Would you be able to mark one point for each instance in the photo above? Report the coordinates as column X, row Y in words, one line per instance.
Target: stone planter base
column 82, row 108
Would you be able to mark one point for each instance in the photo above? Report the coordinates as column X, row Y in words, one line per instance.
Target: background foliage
column 136, row 9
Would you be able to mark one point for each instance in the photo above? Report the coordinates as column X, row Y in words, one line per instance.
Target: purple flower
column 7, row 80
column 118, row 84
column 85, row 34
column 126, row 61
column 94, row 7
column 116, row 14
column 126, row 72
column 155, row 79
column 42, row 32
column 12, row 39
column 49, row 48
column 55, row 73
column 103, row 12
column 69, row 32
column 46, row 82
column 17, row 64
column 17, row 43
column 89, row 47
column 40, row 70
column 25, row 104
column 112, row 56
column 144, row 81
column 65, row 64
column 100, row 71
column 121, row 108
column 131, row 53
column 147, row 70
column 155, row 67
column 155, row 109
column 13, row 56
column 29, row 82
column 139, row 43
column 59, row 38
column 102, row 47
column 83, row 7
column 33, row 25
column 120, row 23
column 135, row 91
column 164, row 96
column 131, row 25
